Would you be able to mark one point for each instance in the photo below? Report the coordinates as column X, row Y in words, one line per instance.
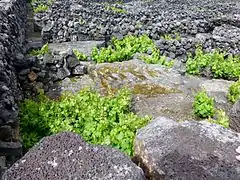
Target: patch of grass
column 42, row 51
column 80, row 56
column 219, row 65
column 234, row 92
column 98, row 119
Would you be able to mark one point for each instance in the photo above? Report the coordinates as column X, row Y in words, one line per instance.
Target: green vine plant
column 41, row 6
column 105, row 120
column 234, row 92
column 80, row 56
column 170, row 37
column 203, row 107
column 115, row 9
column 219, row 65
column 124, row 49
column 40, row 52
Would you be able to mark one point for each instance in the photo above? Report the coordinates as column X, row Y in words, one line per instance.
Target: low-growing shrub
column 156, row 58
column 115, row 9
column 203, row 106
column 217, row 62
column 42, row 51
column 124, row 49
column 98, row 119
column 234, row 92
column 40, row 8
column 221, row 118
column 80, row 56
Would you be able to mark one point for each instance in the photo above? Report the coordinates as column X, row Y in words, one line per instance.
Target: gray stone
column 79, row 70
column 187, row 150
column 67, row 156
column 72, row 61
column 63, row 73
column 234, row 116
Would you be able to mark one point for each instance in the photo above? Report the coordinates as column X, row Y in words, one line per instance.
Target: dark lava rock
column 187, row 150
column 79, row 70
column 67, row 156
column 235, row 117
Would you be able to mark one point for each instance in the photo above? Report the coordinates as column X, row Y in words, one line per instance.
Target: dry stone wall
column 12, row 39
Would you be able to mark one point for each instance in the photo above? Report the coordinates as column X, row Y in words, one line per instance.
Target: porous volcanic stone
column 67, row 156
column 187, row 150
column 235, row 116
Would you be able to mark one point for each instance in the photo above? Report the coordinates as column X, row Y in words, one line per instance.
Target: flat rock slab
column 157, row 91
column 67, row 156
column 187, row 150
column 84, row 47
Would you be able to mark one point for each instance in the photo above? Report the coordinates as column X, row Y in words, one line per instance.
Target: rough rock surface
column 235, row 117
column 187, row 150
column 12, row 39
column 157, row 91
column 12, row 14
column 67, row 156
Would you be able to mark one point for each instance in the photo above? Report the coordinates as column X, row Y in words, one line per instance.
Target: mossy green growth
column 105, row 120
column 80, row 56
column 42, row 51
column 220, row 67
column 234, row 92
column 203, row 105
column 152, row 89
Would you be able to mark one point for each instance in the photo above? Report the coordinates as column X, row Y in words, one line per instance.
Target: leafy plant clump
column 40, row 52
column 80, row 56
column 221, row 119
column 124, row 49
column 99, row 120
column 234, row 92
column 115, row 9
column 203, row 106
column 219, row 66
column 40, row 6
column 156, row 58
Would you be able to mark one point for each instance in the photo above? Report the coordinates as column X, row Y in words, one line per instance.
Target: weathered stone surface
column 235, row 117
column 67, row 156
column 187, row 150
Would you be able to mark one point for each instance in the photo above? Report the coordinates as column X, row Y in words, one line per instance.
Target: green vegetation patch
column 80, row 56
column 115, row 9
column 124, row 49
column 220, row 119
column 40, row 52
column 98, row 119
column 234, row 92
column 40, row 6
column 203, row 106
column 219, row 65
